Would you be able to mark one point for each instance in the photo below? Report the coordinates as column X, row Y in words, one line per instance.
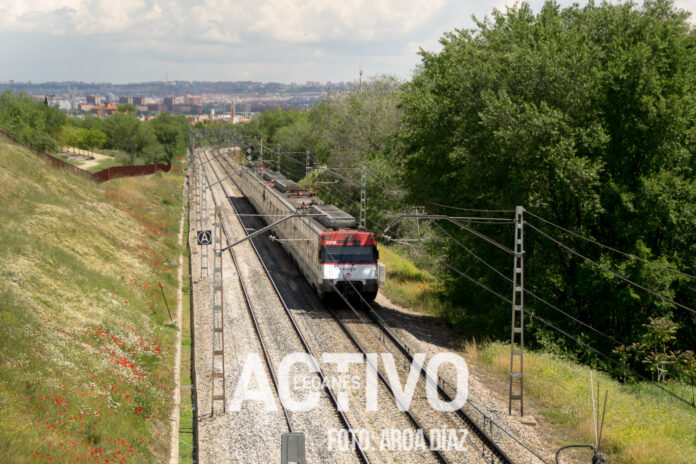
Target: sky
column 124, row 41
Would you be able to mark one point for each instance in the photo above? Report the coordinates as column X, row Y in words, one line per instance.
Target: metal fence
column 130, row 171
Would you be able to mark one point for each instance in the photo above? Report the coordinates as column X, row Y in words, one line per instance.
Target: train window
column 348, row 254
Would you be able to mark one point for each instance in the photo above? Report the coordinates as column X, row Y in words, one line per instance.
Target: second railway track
column 262, row 330
column 372, row 336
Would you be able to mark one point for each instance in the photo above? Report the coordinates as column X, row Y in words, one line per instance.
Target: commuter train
column 329, row 248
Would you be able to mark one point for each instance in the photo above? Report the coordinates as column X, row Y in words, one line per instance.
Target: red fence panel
column 130, row 171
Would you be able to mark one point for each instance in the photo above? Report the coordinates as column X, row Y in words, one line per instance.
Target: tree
column 126, row 132
column 94, row 138
column 127, row 108
column 30, row 121
column 172, row 134
column 586, row 116
column 82, row 138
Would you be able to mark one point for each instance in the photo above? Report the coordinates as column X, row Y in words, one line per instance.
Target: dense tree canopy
column 587, row 117
column 29, row 121
column 172, row 134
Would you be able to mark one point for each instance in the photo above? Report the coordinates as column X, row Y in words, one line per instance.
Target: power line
column 566, row 334
column 606, row 269
column 482, row 236
column 529, row 292
column 608, row 358
column 472, row 209
column 628, row 255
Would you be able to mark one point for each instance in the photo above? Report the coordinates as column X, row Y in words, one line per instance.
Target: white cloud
column 225, row 21
column 284, row 40
column 74, row 16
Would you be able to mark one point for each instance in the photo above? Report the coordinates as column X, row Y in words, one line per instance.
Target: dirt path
column 176, row 396
column 96, row 157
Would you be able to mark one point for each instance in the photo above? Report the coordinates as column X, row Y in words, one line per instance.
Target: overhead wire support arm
column 269, row 227
column 224, row 178
column 456, row 220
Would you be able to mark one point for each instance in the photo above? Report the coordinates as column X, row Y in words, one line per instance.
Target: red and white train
column 330, row 250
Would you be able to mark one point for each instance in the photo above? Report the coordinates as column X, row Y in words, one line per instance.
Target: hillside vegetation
column 45, row 128
column 585, row 116
column 86, row 344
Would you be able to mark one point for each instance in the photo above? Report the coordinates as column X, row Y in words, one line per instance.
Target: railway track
column 261, row 337
column 480, row 440
column 438, row 454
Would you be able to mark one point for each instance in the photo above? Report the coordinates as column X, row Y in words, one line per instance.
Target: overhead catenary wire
column 614, row 273
column 565, row 333
column 527, row 291
column 623, row 253
column 604, row 356
column 473, row 210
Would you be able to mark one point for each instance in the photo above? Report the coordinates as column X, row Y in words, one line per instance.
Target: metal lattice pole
column 218, row 386
column 278, row 157
column 363, row 198
column 517, row 328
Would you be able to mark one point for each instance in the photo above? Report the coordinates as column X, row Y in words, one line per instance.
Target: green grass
column 643, row 425
column 85, row 340
column 408, row 285
column 186, row 414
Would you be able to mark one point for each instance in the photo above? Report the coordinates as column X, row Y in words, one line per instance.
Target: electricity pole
column 517, row 328
column 363, row 199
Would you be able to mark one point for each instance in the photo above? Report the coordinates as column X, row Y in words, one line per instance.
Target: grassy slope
column 186, row 412
column 86, row 350
column 642, row 427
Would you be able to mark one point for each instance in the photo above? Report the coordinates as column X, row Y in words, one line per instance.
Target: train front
column 349, row 262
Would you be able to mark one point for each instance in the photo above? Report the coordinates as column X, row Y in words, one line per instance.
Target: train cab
column 349, row 261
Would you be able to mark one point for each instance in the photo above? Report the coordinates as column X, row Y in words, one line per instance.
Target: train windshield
column 349, row 254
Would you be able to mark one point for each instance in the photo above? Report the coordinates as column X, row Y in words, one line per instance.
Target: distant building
column 169, row 103
column 193, row 100
column 125, row 100
column 155, row 107
column 93, row 99
column 139, row 100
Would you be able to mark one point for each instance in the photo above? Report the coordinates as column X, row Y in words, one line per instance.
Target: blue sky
column 261, row 40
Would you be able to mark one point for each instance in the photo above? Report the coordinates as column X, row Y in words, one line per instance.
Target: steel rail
column 359, row 449
column 352, row 338
column 413, row 420
column 410, row 416
column 247, row 301
column 477, row 429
